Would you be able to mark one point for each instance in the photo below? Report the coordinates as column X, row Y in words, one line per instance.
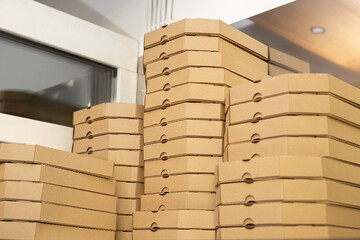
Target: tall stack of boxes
column 113, row 131
column 188, row 66
column 51, row 194
column 293, row 152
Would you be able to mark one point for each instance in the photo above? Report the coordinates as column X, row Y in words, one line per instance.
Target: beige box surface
column 111, row 141
column 287, row 214
column 205, row 27
column 204, row 75
column 319, row 126
column 180, row 183
column 108, row 110
column 41, row 192
column 12, row 230
column 129, row 189
column 295, row 83
column 178, row 201
column 181, row 165
column 14, row 152
column 252, row 67
column 121, row 157
column 51, row 213
column 275, row 70
column 56, row 176
column 204, row 111
column 191, row 92
column 124, row 223
column 191, row 43
column 294, row 104
column 287, row 61
column 174, row 219
column 184, row 146
column 288, row 190
column 288, row 232
column 298, row 146
column 108, row 126
column 184, row 128
column 234, row 62
column 129, row 174
column 121, row 235
column 127, row 206
column 175, row 234
column 287, row 167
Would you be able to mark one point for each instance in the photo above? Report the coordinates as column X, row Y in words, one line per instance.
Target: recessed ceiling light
column 317, row 30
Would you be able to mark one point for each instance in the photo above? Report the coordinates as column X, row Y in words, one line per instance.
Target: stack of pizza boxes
column 51, row 194
column 113, row 131
column 188, row 67
column 293, row 160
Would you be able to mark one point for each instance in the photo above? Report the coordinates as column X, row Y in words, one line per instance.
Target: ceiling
column 341, row 18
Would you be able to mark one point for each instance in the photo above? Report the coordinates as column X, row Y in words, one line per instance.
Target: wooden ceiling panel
column 341, row 18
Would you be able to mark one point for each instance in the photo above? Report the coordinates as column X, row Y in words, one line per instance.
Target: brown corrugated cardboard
column 127, row 206
column 204, row 75
column 295, row 83
column 174, row 234
column 108, row 110
column 294, row 104
column 232, row 61
column 129, row 174
column 276, row 70
column 288, row 190
column 121, row 157
column 181, row 165
column 129, row 189
column 108, row 126
column 39, row 231
column 205, row 111
column 189, row 43
column 229, row 51
column 182, row 147
column 41, row 192
column 287, row 167
column 51, row 213
column 184, row 128
column 13, row 152
column 287, row 61
column 124, row 223
column 319, row 126
column 191, row 92
column 288, row 232
column 178, row 201
column 277, row 213
column 56, row 176
column 174, row 219
column 111, row 141
column 205, row 27
column 300, row 146
column 180, row 183
column 121, row 235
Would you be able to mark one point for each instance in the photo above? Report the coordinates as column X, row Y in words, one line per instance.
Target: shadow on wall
column 318, row 64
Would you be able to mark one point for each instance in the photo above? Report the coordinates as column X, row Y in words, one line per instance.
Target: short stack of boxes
column 282, row 63
column 293, row 152
column 113, row 131
column 188, row 66
column 51, row 194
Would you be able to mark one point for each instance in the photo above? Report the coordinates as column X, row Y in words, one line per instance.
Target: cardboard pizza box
column 203, row 111
column 175, row 234
column 205, row 27
column 129, row 174
column 184, row 128
column 127, row 206
column 278, row 58
column 178, row 201
column 108, row 110
column 131, row 190
column 121, row 157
